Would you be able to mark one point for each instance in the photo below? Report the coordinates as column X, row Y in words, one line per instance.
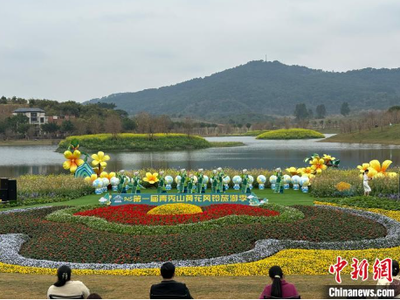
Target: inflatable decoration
column 376, row 170
column 237, row 180
column 84, row 170
column 251, row 180
column 106, row 182
column 99, row 161
column 206, row 179
column 151, row 178
column 304, row 182
column 168, row 181
column 98, row 185
column 226, row 180
column 272, row 180
column 261, row 179
column 286, row 181
column 296, row 182
column 178, row 182
column 91, row 178
column 73, row 160
column 114, row 184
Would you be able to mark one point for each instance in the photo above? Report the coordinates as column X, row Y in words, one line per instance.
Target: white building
column 36, row 116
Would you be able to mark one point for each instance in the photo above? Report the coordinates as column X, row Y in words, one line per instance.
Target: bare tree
column 113, row 125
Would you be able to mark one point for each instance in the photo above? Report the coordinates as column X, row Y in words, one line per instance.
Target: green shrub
column 137, row 142
column 289, row 134
column 324, row 184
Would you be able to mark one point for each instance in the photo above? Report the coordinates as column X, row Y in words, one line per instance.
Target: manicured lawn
column 289, row 197
column 26, row 286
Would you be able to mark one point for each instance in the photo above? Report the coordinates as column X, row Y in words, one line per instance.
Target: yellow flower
column 151, row 178
column 343, row 186
column 91, row 178
column 307, row 171
column 100, row 159
column 327, row 158
column 376, row 170
column 293, row 171
column 107, row 175
column 175, row 209
column 73, row 160
column 363, row 167
column 318, row 165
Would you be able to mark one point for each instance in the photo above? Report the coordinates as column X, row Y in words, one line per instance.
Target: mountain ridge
column 265, row 88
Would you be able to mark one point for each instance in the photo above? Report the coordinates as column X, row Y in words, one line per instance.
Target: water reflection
column 18, row 160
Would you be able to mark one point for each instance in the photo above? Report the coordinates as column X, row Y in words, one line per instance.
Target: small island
column 290, row 134
column 142, row 142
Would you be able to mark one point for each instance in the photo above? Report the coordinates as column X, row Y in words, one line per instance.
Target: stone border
column 10, row 244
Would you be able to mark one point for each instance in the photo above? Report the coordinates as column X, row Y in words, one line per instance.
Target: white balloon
column 261, row 179
column 272, row 179
column 237, row 179
column 98, row 183
column 169, row 179
column 296, row 179
column 251, row 179
column 287, row 179
column 178, row 179
column 226, row 179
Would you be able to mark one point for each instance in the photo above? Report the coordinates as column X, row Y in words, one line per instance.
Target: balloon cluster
column 296, row 181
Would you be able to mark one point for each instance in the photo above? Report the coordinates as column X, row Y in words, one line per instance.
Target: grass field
column 289, row 197
column 27, row 286
column 386, row 135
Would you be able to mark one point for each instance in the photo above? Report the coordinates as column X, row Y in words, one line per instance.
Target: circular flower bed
column 176, row 209
column 141, row 214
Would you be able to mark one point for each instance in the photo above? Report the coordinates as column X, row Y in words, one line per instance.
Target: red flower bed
column 136, row 214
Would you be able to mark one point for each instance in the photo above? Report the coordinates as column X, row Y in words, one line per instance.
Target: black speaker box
column 12, row 189
column 4, row 195
column 3, row 183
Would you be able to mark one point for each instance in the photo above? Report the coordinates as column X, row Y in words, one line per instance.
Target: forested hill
column 270, row 88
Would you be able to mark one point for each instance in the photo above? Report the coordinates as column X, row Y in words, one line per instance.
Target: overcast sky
column 79, row 50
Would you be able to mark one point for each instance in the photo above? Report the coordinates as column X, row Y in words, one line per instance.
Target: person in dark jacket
column 169, row 288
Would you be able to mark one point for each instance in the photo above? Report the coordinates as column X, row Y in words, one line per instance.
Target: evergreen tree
column 321, row 111
column 345, row 109
column 301, row 112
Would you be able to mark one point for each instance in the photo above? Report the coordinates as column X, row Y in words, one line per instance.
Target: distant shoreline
column 41, row 142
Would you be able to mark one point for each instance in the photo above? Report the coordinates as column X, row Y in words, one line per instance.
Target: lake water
column 18, row 160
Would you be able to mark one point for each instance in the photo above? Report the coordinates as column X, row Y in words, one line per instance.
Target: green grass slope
column 387, row 135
